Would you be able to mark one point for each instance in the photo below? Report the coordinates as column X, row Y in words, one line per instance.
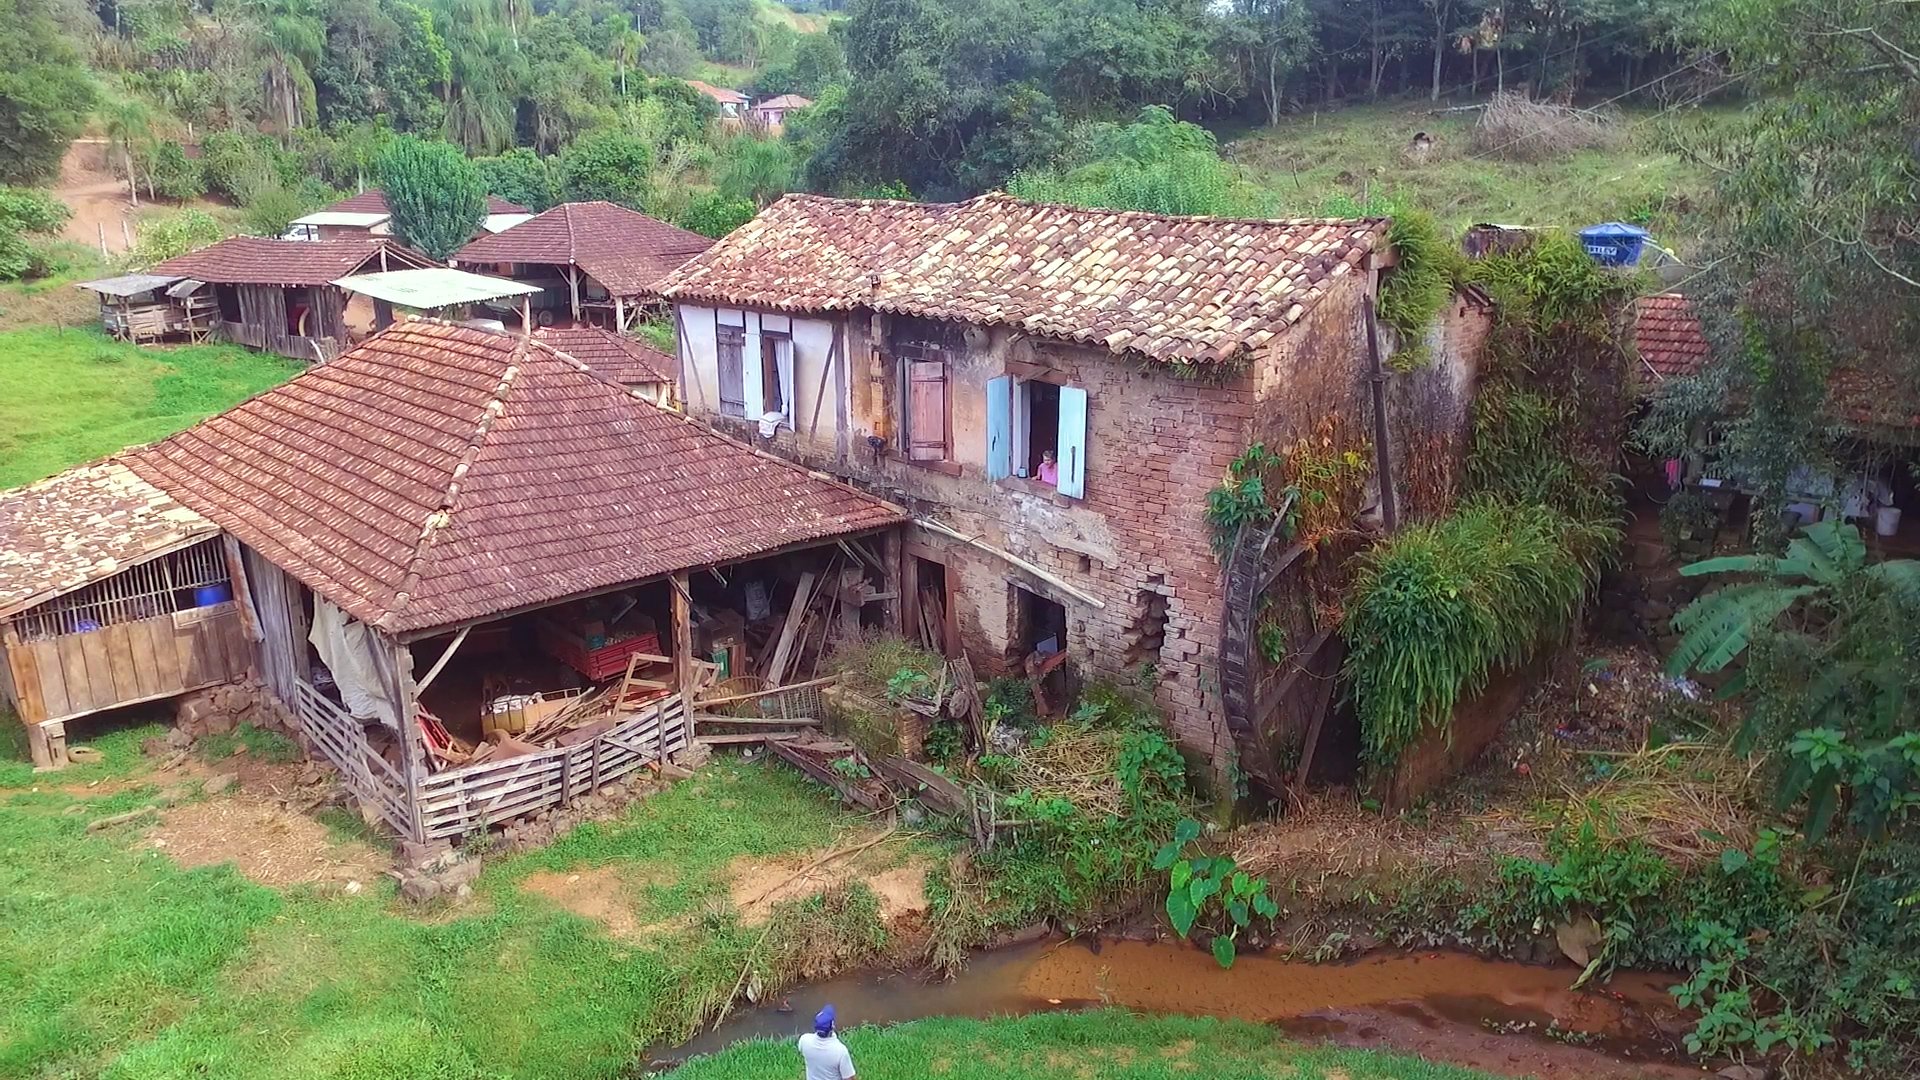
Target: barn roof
column 718, row 93
column 1175, row 289
column 257, row 260
column 440, row 474
column 786, row 101
column 1667, row 334
column 374, row 201
column 82, row 525
column 624, row 250
column 623, row 359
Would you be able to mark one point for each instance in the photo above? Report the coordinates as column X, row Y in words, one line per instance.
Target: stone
column 173, row 795
column 218, row 723
column 420, row 888
column 178, row 739
column 464, row 892
column 155, row 747
column 460, row 874
column 671, row 771
column 219, row 782
column 426, row 854
column 694, row 756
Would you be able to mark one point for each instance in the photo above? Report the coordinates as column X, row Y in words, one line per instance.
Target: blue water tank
column 1614, row 243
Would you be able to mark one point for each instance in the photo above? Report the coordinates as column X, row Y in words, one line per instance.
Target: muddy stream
column 1509, row 1018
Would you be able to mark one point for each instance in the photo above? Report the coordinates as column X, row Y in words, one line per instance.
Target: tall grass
column 1439, row 608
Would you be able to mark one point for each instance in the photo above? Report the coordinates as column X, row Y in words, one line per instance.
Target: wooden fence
column 460, row 800
column 343, row 740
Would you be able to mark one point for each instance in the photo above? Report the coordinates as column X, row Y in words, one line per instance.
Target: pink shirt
column 1049, row 472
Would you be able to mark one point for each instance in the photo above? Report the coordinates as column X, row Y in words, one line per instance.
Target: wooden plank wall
column 460, row 800
column 283, row 626
column 75, row 674
column 263, row 323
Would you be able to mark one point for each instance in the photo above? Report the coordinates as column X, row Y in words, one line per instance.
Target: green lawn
column 116, row 963
column 1312, row 157
column 1109, row 1044
column 68, row 396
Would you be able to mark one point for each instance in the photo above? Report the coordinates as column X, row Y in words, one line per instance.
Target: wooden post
column 619, row 314
column 573, row 290
column 682, row 657
column 396, row 672
column 242, row 590
column 1382, row 452
column 892, row 573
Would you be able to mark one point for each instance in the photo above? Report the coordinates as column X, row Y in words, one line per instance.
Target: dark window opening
column 730, row 344
column 930, row 605
column 1041, row 418
column 1041, row 637
column 772, row 388
column 229, row 299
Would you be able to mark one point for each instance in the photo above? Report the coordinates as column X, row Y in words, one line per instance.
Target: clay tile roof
column 1668, row 336
column 1175, row 289
column 718, row 93
column 624, row 250
column 257, row 260
column 438, row 474
column 374, row 201
column 83, row 525
column 616, row 356
column 785, row 101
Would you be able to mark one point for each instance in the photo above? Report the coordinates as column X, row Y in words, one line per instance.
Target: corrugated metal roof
column 1174, row 289
column 440, row 474
column 83, row 525
column 128, row 284
column 433, row 287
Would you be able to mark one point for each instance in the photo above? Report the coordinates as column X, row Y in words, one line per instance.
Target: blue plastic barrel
column 1614, row 243
column 208, row 595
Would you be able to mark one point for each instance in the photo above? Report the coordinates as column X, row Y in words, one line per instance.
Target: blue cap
column 823, row 1021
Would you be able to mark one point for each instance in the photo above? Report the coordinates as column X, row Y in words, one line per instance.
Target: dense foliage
column 26, row 218
column 434, row 194
column 45, row 93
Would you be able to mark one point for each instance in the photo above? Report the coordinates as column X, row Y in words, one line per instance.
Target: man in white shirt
column 825, row 1055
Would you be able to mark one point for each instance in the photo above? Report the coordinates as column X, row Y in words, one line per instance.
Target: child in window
column 1049, row 469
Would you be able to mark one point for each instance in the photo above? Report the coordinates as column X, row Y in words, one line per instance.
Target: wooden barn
column 498, row 580
column 596, row 263
column 111, row 594
column 143, row 308
column 279, row 295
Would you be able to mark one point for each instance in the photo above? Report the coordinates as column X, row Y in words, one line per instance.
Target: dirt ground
column 98, row 198
column 266, row 842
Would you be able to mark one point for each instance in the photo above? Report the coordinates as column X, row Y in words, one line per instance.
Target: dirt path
column 98, row 199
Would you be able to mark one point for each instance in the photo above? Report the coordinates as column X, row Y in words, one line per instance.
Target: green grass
column 69, row 396
column 119, row 964
column 1313, row 158
column 1111, row 1044
column 262, row 745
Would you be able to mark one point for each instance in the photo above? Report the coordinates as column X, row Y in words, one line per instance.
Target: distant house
column 772, row 113
column 633, row 364
column 733, row 103
column 596, row 262
column 279, row 295
column 366, row 214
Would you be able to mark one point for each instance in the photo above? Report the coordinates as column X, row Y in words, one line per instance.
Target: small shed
column 111, row 593
column 153, row 307
column 439, row 289
column 594, row 262
column 279, row 295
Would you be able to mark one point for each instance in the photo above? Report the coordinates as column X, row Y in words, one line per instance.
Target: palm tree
column 292, row 39
column 128, row 121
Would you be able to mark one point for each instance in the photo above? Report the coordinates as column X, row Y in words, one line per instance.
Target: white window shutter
column 754, row 370
column 999, row 427
column 783, row 362
column 1072, row 450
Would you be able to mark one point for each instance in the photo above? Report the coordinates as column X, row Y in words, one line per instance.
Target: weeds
column 270, row 747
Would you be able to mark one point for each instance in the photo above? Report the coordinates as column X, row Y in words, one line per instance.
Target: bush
column 1515, row 127
column 175, row 234
column 716, row 215
column 607, row 165
column 174, row 175
column 518, row 176
column 25, row 213
column 271, row 211
column 237, row 166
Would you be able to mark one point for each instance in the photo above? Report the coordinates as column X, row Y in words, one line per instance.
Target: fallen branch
column 120, row 819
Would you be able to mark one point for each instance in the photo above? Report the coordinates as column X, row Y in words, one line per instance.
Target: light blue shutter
column 1073, row 442
column 753, row 368
column 999, row 427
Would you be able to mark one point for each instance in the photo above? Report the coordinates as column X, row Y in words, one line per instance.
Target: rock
column 672, row 771
column 218, row 723
column 85, row 755
column 178, row 739
column 420, row 855
column 911, row 815
column 174, row 795
column 353, row 888
column 218, row 783
column 1745, row 1072
column 464, row 872
column 155, row 747
column 419, row 888
column 464, row 892
column 694, row 756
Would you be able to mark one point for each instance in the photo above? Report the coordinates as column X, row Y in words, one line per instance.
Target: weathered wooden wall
column 143, row 660
column 263, row 323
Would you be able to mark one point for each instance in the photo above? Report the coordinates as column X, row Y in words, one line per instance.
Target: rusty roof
column 1175, row 289
column 624, row 250
column 1667, row 334
column 440, row 474
column 258, row 260
column 374, row 201
column 786, row 101
column 718, row 93
column 82, row 525
column 620, row 358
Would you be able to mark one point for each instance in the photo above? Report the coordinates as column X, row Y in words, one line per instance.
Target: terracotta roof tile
column 1176, row 289
column 1668, row 336
column 786, row 101
column 438, row 474
column 624, row 250
column 718, row 93
column 374, row 201
column 258, row 260
column 83, row 525
column 616, row 356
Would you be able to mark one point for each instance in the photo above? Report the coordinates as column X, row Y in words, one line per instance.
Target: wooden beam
column 573, row 289
column 783, row 650
column 1051, row 579
column 756, row 721
column 242, row 590
column 681, row 588
column 453, row 646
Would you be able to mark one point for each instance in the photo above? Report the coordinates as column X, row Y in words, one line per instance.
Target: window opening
column 177, row 581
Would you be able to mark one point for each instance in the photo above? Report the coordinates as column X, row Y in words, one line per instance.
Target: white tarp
column 351, row 652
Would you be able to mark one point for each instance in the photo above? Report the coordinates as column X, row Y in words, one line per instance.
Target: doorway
column 929, row 608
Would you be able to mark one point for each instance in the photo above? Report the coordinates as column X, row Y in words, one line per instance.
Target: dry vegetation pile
column 1517, row 128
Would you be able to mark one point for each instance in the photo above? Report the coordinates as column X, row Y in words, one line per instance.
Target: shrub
column 174, row 175
column 271, row 211
column 175, row 234
column 716, row 215
column 25, row 213
column 607, row 165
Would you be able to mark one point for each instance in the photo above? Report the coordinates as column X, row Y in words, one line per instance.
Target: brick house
column 938, row 352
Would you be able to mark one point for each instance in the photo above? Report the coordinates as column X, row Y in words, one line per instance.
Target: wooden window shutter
column 927, row 410
column 999, row 427
column 729, row 349
column 1072, row 452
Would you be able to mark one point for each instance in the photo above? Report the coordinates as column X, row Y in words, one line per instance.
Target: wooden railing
column 343, row 740
column 461, row 800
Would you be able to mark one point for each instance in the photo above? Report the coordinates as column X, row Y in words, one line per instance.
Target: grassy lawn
column 117, row 963
column 68, row 396
column 1311, row 158
column 1111, row 1044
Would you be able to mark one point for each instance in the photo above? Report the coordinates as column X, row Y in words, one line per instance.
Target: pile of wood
column 825, row 609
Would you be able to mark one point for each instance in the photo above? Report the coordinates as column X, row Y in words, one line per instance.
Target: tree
column 171, row 174
column 518, row 176
column 292, row 39
column 25, row 214
column 45, row 93
column 716, row 215
column 755, row 170
column 609, row 165
column 1271, row 39
column 1156, row 163
column 434, row 193
column 816, row 64
column 128, row 122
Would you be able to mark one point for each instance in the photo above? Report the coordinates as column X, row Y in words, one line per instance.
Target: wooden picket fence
column 343, row 740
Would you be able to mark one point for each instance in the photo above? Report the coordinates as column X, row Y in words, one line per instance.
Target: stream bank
column 1498, row 1016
